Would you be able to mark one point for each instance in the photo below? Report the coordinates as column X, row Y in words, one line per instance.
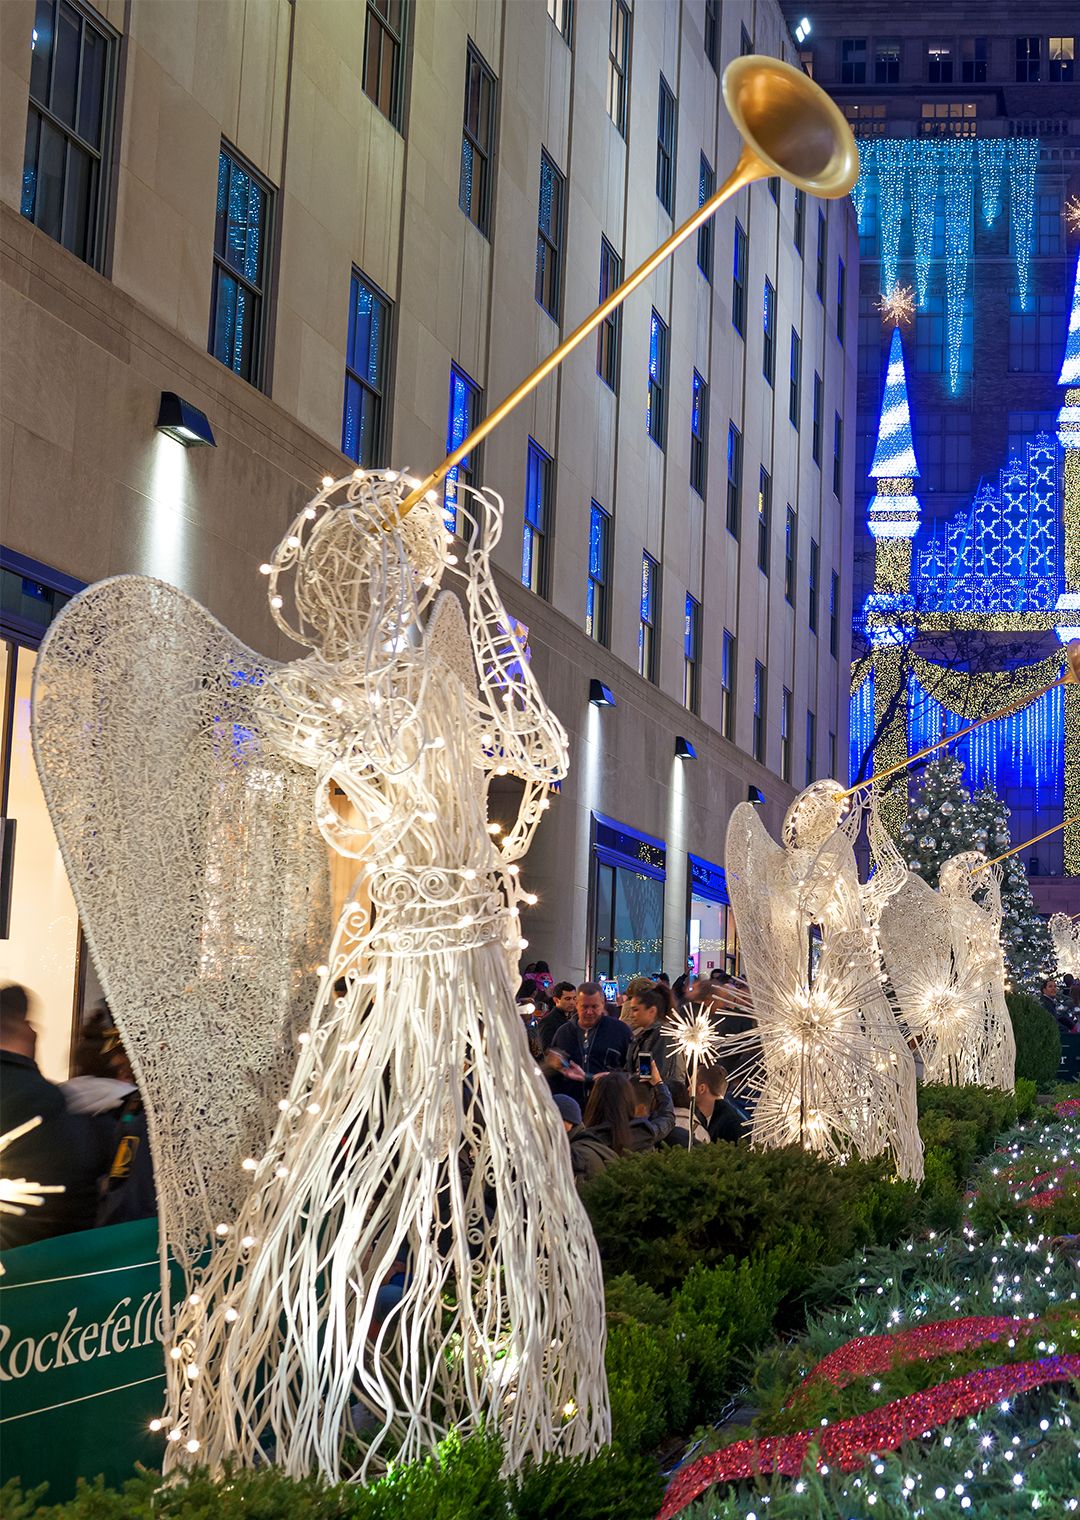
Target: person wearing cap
column 588, row 1154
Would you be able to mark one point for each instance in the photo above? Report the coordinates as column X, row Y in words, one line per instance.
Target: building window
column 363, row 427
column 866, row 120
column 774, row 187
column 800, row 221
column 834, row 618
column 539, row 474
column 1035, row 334
column 791, row 549
column 628, row 901
column 759, row 711
column 841, row 299
column 734, row 479
column 795, row 385
column 384, row 33
column 665, row 147
column 764, row 519
column 815, row 437
column 887, row 62
column 549, row 237
column 562, row 13
column 943, row 448
column 462, row 416
column 815, row 581
column 609, row 333
column 832, row 753
column 768, row 321
column 1023, row 429
column 656, row 414
column 822, row 246
column 477, row 142
column 699, row 433
column 746, row 42
column 727, row 686
column 1062, row 59
column 1028, row 59
column 647, row 624
column 241, row 240
column 69, row 128
column 838, row 456
column 1050, row 234
column 738, row 281
column 930, row 334
column 785, row 736
column 938, row 63
column 811, row 746
column 618, row 62
column 853, row 60
column 596, row 591
column 706, row 190
column 948, row 118
column 712, row 33
column 973, row 56
column 691, row 652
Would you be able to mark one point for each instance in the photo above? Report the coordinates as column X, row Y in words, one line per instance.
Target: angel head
column 957, row 877
column 362, row 573
column 814, row 815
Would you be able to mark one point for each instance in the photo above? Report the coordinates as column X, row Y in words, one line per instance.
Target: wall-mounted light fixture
column 684, row 750
column 755, row 795
column 802, row 31
column 600, row 695
column 178, row 419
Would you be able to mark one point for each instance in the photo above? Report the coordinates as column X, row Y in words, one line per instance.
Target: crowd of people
column 1062, row 1000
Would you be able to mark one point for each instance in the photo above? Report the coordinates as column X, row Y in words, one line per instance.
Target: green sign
column 81, row 1364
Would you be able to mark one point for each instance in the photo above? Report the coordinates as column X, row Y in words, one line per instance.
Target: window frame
column 852, row 67
column 1028, row 57
column 768, row 333
column 822, row 254
column 598, row 580
column 764, row 520
column 649, row 618
column 734, row 481
column 259, row 291
column 699, row 433
column 548, row 244
column 711, row 34
column 372, row 12
column 811, row 746
column 620, row 25
column 841, row 300
column 381, row 393
column 98, row 221
column 761, row 702
column 657, row 390
column 728, row 657
column 974, row 69
column 537, row 531
column 706, row 232
column 887, row 54
column 815, row 435
column 739, row 270
column 795, row 381
column 565, row 26
column 799, row 220
column 1060, row 69
column 480, row 202
column 468, row 469
column 692, row 654
column 939, row 62
column 791, row 554
column 787, row 706
column 667, row 123
column 609, row 333
column 813, row 583
column 834, row 614
column 838, row 456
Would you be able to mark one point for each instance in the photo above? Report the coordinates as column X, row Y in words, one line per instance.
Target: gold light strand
column 1071, row 802
column 1072, row 213
column 892, row 565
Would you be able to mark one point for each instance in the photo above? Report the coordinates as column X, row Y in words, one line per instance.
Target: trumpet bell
column 791, row 126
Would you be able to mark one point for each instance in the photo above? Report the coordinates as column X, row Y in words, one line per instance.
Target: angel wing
column 199, row 875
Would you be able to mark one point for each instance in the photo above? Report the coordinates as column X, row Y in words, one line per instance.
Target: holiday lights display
column 868, row 1354
column 694, row 1034
column 925, row 175
column 898, row 307
column 416, row 1129
column 942, row 953
column 1065, row 934
column 16, row 1193
column 991, row 152
column 959, row 187
column 829, row 1068
column 1023, row 167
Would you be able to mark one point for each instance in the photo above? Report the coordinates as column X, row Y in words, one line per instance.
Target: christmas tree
column 943, row 820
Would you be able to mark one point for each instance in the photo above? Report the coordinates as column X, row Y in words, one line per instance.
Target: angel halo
column 452, row 1277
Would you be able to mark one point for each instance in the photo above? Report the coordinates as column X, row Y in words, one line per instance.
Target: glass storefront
column 40, row 939
column 628, row 902
column 711, row 937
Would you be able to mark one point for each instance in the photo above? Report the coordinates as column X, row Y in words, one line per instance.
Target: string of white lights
column 958, row 188
column 1023, row 165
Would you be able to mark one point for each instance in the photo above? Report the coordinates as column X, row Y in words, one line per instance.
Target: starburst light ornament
column 1072, row 213
column 829, row 1065
column 898, row 307
column 696, row 1037
column 16, row 1193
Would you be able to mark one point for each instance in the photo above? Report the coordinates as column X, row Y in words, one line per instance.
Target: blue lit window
column 706, row 190
column 549, row 237
column 691, row 652
column 1035, row 340
column 785, row 735
column 534, row 546
column 609, row 333
column 647, row 625
column 795, row 386
column 363, row 427
column 665, row 147
column 656, row 415
column 764, row 521
column 768, row 320
column 596, row 591
column 65, row 176
column 727, row 686
column 241, row 237
column 734, row 480
column 463, row 414
column 738, row 281
column 477, row 141
column 811, row 746
column 699, row 433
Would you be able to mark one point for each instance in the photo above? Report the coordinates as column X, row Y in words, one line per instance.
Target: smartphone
column 644, row 1068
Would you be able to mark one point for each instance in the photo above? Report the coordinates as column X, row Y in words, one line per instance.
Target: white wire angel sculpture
column 413, row 1249
column 1065, row 935
column 942, row 953
column 832, row 1070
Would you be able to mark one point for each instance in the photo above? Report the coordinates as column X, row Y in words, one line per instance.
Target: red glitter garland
column 1068, row 1108
column 847, row 1444
column 879, row 1353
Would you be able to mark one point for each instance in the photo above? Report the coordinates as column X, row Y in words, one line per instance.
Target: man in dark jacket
column 564, row 998
column 62, row 1151
column 591, row 1042
column 723, row 1119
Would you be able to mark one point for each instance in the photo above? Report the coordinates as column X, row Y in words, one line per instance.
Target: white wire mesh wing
column 200, row 878
column 1066, row 939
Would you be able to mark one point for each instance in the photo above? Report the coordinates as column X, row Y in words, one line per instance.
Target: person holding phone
column 629, row 1115
column 589, row 1045
column 645, row 1013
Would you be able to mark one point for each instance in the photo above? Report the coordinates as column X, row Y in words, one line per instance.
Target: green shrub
column 962, row 1123
column 719, row 1314
column 658, row 1215
column 615, row 1485
column 650, row 1397
column 626, row 1298
column 1038, row 1039
column 1027, row 1092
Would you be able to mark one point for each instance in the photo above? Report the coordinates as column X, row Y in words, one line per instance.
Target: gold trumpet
column 789, row 128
